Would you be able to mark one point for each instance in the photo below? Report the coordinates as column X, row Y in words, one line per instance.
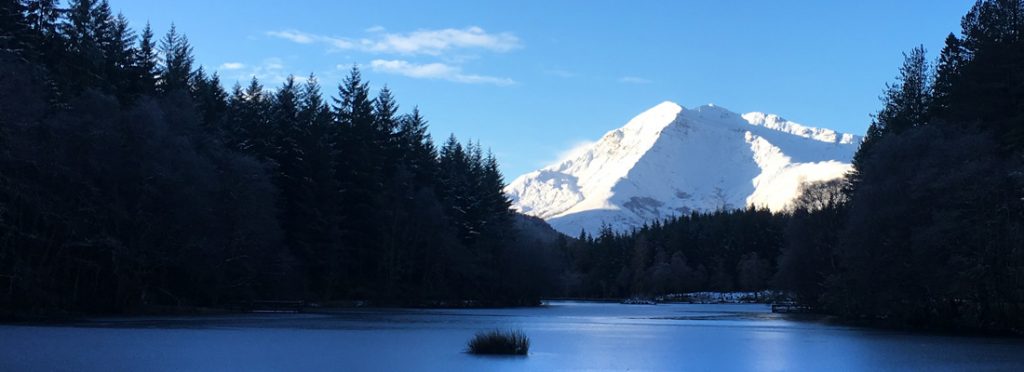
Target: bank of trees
column 130, row 178
column 732, row 250
column 934, row 225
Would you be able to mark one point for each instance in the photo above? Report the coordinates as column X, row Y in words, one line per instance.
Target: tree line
column 130, row 179
column 927, row 231
column 726, row 250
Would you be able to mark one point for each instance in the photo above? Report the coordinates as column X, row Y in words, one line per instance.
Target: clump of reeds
column 500, row 342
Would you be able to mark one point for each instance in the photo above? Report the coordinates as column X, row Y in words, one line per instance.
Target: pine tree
column 317, row 241
column 86, row 28
column 248, row 129
column 906, row 105
column 906, row 101
column 287, row 132
column 291, row 172
column 105, row 29
column 146, row 63
column 210, row 99
column 120, row 57
column 234, row 128
column 991, row 84
column 354, row 107
column 43, row 19
column 359, row 165
column 385, row 115
column 176, row 72
column 43, row 16
column 454, row 188
column 417, row 149
column 314, row 113
column 947, row 72
column 15, row 35
column 259, row 133
column 493, row 185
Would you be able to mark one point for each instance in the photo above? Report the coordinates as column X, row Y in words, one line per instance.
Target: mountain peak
column 654, row 119
column 670, row 160
column 711, row 107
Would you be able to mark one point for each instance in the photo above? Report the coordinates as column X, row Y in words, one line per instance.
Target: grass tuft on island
column 499, row 342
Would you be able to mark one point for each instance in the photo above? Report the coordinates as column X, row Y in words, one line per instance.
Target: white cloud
column 565, row 74
column 428, row 42
column 449, row 47
column 232, row 66
column 575, row 151
column 307, row 38
column 434, row 42
column 294, row 36
column 435, row 70
column 634, row 80
column 270, row 72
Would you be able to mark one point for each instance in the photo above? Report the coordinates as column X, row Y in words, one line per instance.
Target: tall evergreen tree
column 43, row 18
column 15, row 34
column 906, row 102
column 417, row 148
column 86, row 28
column 360, row 172
column 210, row 99
column 316, row 238
column 146, row 63
column 947, row 72
column 906, row 105
column 991, row 82
column 252, row 118
column 120, row 57
column 386, row 122
column 176, row 72
column 454, row 185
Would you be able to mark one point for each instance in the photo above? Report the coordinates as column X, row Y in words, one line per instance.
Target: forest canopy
column 130, row 179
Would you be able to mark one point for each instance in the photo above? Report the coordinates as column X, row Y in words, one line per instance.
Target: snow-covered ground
column 670, row 160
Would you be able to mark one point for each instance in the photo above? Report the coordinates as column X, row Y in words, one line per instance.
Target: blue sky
column 533, row 79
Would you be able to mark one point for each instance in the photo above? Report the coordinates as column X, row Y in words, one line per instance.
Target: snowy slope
column 670, row 160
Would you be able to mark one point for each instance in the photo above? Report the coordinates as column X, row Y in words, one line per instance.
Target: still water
column 564, row 336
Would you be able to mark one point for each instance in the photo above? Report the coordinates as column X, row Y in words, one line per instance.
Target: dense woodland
column 927, row 232
column 130, row 179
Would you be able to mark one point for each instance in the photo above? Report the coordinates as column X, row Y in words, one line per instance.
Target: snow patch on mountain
column 670, row 160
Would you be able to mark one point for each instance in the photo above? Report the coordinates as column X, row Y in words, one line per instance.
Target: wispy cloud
column 300, row 37
column 232, row 66
column 293, row 36
column 434, row 42
column 565, row 74
column 574, row 150
column 445, row 50
column 270, row 71
column 435, row 70
column 634, row 80
column 421, row 42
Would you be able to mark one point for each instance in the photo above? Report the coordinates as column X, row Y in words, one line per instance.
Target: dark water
column 564, row 335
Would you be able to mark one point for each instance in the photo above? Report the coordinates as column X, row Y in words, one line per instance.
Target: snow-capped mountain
column 670, row 160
